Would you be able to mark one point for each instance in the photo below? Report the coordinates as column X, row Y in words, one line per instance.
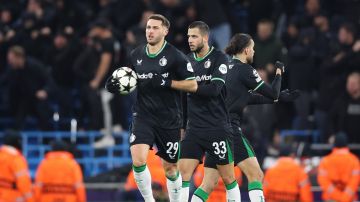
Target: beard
column 154, row 41
column 199, row 48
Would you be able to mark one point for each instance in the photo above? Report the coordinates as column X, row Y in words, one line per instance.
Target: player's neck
column 154, row 49
column 240, row 57
column 205, row 50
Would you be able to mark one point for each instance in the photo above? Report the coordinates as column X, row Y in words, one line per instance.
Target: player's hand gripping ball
column 122, row 81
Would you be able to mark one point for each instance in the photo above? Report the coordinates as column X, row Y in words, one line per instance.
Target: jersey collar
column 155, row 54
column 199, row 58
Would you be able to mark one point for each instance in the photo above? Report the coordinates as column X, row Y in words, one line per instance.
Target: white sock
column 174, row 187
column 233, row 192
column 143, row 180
column 195, row 198
column 256, row 193
column 184, row 192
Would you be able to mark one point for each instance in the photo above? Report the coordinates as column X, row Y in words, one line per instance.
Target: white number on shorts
column 173, row 148
column 220, row 148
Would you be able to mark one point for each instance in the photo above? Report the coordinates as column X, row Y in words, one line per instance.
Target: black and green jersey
column 208, row 111
column 245, row 86
column 162, row 106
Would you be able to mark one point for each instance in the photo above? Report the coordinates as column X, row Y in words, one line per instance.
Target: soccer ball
column 127, row 79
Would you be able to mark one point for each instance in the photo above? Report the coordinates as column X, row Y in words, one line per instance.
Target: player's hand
column 158, row 81
column 112, row 85
column 280, row 65
column 288, row 95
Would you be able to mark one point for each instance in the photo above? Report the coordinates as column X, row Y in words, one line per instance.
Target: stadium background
column 317, row 40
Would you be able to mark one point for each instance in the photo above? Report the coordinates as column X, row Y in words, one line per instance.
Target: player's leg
column 246, row 160
column 139, row 153
column 209, row 182
column 255, row 175
column 221, row 150
column 142, row 136
column 190, row 156
column 167, row 142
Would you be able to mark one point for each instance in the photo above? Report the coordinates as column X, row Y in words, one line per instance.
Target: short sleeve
column 220, row 69
column 184, row 69
column 251, row 78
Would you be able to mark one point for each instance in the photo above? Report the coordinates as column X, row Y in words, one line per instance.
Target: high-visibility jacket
column 15, row 182
column 287, row 181
column 157, row 173
column 59, row 178
column 338, row 175
column 219, row 192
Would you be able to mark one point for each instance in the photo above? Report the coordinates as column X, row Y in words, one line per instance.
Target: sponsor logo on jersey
column 145, row 75
column 165, row 75
column 203, row 78
column 132, row 138
column 163, row 61
column 223, row 68
column 207, row 64
column 257, row 77
column 138, row 62
column 189, row 67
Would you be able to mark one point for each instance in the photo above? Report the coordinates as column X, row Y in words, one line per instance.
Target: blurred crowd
column 55, row 56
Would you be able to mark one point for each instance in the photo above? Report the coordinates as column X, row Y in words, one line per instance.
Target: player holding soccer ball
column 157, row 116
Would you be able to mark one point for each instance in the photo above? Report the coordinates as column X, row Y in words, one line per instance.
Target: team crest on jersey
column 189, row 67
column 132, row 138
column 255, row 73
column 138, row 62
column 207, row 64
column 163, row 61
column 223, row 68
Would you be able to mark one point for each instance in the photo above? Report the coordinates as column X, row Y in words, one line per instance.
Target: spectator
column 294, row 187
column 59, row 177
column 345, row 112
column 28, row 82
column 338, row 173
column 61, row 57
column 268, row 49
column 220, row 30
column 342, row 59
column 15, row 181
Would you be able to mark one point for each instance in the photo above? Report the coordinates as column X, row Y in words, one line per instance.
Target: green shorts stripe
column 248, row 147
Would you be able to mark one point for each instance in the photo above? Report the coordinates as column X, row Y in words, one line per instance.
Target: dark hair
column 238, row 43
column 349, row 27
column 59, row 145
column 13, row 138
column 102, row 24
column 341, row 140
column 18, row 51
column 202, row 26
column 164, row 21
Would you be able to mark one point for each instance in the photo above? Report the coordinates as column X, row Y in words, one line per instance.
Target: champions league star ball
column 127, row 79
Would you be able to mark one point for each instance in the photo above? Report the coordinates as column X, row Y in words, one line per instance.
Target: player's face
column 250, row 52
column 196, row 40
column 155, row 31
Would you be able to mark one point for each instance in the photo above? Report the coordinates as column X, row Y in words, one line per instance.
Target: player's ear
column 166, row 31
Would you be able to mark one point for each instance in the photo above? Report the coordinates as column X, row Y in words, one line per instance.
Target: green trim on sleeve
column 218, row 79
column 190, row 78
column 260, row 84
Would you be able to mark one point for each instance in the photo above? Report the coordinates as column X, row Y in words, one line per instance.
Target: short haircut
column 164, row 21
column 202, row 26
column 238, row 43
column 18, row 51
column 349, row 27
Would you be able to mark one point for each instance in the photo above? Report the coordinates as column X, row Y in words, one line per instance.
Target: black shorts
column 166, row 140
column 242, row 149
column 217, row 143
